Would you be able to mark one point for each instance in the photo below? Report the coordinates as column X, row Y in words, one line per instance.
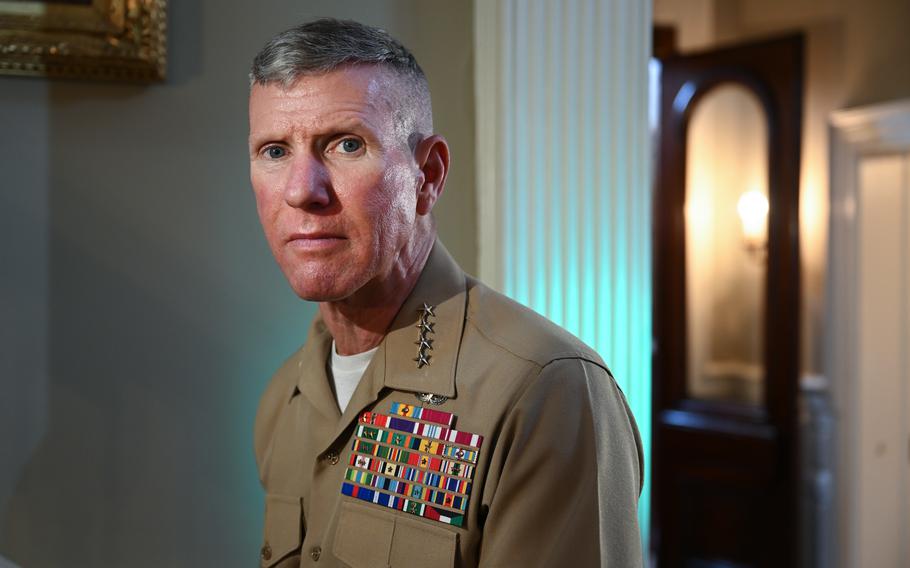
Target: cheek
column 267, row 207
column 403, row 198
column 396, row 210
column 263, row 209
column 389, row 207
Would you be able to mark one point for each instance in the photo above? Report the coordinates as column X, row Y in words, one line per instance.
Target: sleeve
column 568, row 474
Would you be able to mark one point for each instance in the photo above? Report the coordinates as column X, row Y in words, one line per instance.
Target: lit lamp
column 753, row 212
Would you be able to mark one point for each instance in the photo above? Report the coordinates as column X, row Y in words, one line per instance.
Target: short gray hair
column 324, row 45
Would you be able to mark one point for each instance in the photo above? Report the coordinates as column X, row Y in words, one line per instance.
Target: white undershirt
column 346, row 373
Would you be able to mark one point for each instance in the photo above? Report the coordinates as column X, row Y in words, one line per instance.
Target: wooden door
column 725, row 457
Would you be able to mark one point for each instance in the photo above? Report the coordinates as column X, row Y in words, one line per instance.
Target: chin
column 329, row 278
column 312, row 295
column 324, row 288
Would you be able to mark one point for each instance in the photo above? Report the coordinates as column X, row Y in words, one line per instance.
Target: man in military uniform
column 428, row 421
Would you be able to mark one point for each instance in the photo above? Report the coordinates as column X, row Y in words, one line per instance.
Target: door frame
column 854, row 135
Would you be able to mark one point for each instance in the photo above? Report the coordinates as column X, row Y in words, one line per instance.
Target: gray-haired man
column 427, row 421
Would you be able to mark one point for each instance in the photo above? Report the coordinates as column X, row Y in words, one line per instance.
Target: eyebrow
column 348, row 124
column 351, row 124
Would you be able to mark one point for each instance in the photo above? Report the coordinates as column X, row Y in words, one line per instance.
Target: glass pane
column 726, row 246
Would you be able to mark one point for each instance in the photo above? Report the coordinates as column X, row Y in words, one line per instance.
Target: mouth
column 315, row 241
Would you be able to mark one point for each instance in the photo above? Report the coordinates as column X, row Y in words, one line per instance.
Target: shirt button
column 332, row 458
column 266, row 552
column 315, row 553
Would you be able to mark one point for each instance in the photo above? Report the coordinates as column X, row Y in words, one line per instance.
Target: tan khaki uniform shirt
column 558, row 474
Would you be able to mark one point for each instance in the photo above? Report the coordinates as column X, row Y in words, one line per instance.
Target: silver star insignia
column 424, row 343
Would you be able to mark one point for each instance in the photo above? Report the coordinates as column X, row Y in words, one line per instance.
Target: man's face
column 335, row 181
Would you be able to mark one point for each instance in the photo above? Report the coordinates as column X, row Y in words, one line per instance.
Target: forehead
column 367, row 91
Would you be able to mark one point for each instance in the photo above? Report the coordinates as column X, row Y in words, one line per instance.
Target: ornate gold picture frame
column 114, row 40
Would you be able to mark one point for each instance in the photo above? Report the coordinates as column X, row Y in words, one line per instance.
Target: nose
column 308, row 185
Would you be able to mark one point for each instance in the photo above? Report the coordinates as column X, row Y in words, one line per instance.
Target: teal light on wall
column 564, row 175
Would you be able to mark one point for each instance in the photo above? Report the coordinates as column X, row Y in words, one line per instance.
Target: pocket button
column 266, row 552
column 316, row 553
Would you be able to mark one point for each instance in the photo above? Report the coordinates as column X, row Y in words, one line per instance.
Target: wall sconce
column 753, row 212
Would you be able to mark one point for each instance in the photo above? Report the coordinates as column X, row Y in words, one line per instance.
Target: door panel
column 726, row 308
column 884, row 448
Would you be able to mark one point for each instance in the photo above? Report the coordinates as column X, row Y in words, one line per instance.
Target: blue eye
column 350, row 145
column 275, row 152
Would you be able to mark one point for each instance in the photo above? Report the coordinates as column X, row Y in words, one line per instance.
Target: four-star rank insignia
column 413, row 461
column 425, row 330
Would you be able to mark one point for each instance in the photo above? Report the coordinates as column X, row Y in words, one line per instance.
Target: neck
column 359, row 322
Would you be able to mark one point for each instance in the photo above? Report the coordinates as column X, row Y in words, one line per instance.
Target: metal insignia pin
column 430, row 398
column 422, row 360
column 424, row 343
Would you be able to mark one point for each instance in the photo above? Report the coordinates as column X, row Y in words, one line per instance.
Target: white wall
column 142, row 313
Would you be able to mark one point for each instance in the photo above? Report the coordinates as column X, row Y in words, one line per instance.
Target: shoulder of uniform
column 274, row 400
column 283, row 382
column 521, row 331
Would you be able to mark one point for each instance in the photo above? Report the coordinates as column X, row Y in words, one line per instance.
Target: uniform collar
column 441, row 287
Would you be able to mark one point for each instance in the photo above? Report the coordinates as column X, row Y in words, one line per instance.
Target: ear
column 432, row 155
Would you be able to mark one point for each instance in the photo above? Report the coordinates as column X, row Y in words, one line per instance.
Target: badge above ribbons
column 413, row 461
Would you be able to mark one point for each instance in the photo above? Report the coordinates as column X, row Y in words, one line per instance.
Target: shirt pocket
column 367, row 537
column 283, row 535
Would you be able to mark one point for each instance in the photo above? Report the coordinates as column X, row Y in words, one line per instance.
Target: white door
column 883, row 489
column 868, row 343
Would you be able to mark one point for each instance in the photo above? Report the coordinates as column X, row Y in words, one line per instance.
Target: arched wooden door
column 726, row 370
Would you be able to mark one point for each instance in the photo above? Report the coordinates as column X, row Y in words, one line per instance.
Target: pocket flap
column 282, row 528
column 363, row 536
column 419, row 543
column 369, row 537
